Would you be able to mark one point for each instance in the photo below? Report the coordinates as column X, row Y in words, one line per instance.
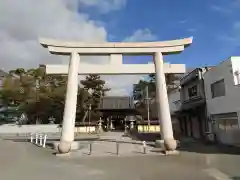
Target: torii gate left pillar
column 75, row 49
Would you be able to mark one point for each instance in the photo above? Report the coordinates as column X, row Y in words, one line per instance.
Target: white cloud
column 23, row 22
column 226, row 6
column 191, row 29
column 104, row 6
column 183, row 21
column 221, row 9
column 122, row 85
column 141, row 35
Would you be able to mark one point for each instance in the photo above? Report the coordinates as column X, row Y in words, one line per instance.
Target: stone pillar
column 111, row 125
column 100, row 129
column 163, row 105
column 68, row 125
column 131, row 124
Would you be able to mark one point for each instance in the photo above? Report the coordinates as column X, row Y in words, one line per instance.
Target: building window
column 218, row 89
column 192, row 91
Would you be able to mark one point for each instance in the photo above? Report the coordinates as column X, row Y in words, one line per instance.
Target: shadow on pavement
column 119, row 141
column 145, row 136
column 190, row 145
column 235, row 178
column 207, row 148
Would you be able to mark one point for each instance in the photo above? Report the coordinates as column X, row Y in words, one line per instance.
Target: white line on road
column 218, row 175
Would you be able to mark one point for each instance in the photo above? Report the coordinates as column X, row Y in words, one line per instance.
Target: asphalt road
column 25, row 161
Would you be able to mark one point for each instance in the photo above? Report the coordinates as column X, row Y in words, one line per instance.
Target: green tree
column 11, row 91
column 140, row 94
column 171, row 81
column 96, row 87
column 41, row 96
column 139, row 89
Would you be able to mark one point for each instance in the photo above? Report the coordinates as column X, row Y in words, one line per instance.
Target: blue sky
column 214, row 25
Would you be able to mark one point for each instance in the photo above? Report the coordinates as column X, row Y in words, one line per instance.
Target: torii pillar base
column 166, row 145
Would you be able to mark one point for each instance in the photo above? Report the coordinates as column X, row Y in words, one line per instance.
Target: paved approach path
column 24, row 161
column 114, row 144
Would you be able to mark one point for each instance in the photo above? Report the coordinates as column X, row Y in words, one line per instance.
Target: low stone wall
column 85, row 129
column 13, row 129
column 48, row 128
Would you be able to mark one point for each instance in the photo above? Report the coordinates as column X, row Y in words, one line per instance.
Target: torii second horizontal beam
column 109, row 69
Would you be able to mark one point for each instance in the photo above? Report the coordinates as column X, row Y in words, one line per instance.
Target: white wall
column 12, row 128
column 174, row 101
column 224, row 104
column 236, row 68
column 48, row 128
column 231, row 101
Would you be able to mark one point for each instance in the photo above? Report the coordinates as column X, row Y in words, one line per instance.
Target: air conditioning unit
column 209, row 136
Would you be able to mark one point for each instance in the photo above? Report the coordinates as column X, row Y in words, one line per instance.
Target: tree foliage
column 144, row 87
column 39, row 95
column 170, row 81
column 42, row 96
column 139, row 89
column 95, row 86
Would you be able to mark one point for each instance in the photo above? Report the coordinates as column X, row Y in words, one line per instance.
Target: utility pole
column 89, row 117
column 148, row 106
column 37, row 86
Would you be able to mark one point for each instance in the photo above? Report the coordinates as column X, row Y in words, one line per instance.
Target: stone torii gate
column 115, row 51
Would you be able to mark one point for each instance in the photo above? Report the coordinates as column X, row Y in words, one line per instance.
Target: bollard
column 31, row 138
column 117, row 148
column 26, row 137
column 44, row 140
column 90, row 149
column 144, row 147
column 36, row 138
column 40, row 139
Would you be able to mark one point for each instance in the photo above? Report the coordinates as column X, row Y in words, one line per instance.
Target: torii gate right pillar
column 164, row 115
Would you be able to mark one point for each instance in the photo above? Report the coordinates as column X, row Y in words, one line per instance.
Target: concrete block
column 175, row 152
column 63, row 155
column 76, row 145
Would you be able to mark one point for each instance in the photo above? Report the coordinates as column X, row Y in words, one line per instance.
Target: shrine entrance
column 118, row 119
column 117, row 112
column 115, row 51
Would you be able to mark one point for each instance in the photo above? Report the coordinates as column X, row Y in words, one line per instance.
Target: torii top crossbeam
column 66, row 47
